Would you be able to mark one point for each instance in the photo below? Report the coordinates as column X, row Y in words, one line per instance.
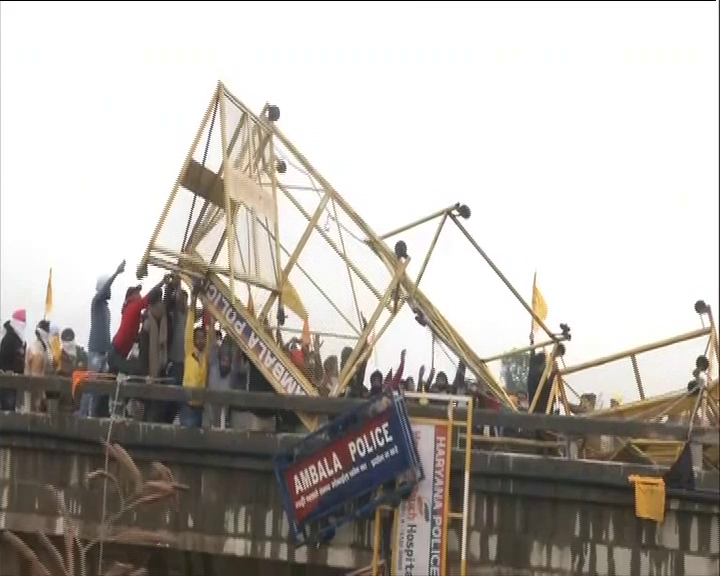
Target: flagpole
column 532, row 304
column 48, row 294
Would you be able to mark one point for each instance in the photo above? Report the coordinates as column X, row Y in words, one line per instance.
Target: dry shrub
column 133, row 492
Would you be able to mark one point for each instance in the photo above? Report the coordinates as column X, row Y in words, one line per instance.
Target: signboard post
column 421, row 521
column 333, row 475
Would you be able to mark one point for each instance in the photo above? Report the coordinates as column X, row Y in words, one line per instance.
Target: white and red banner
column 420, row 535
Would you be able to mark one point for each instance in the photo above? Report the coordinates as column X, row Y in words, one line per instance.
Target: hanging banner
column 421, row 521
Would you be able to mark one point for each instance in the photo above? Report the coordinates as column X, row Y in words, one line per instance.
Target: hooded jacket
column 12, row 351
column 99, row 339
column 38, row 358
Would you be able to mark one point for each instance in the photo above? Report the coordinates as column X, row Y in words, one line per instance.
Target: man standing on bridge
column 99, row 340
column 12, row 355
column 196, row 364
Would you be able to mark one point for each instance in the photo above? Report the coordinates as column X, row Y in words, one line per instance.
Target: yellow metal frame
column 254, row 155
column 257, row 156
column 679, row 405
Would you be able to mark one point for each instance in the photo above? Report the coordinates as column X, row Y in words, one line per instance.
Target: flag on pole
column 539, row 306
column 291, row 300
column 250, row 303
column 305, row 338
column 49, row 296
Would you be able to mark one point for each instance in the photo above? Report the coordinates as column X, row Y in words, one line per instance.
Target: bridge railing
column 567, row 426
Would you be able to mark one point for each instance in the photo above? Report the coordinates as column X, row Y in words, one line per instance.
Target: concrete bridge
column 529, row 515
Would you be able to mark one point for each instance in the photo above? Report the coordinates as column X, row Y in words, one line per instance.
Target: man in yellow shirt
column 196, row 366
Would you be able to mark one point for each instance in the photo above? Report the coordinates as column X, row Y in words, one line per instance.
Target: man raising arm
column 129, row 326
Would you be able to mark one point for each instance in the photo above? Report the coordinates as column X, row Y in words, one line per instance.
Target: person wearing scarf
column 12, row 356
column 153, row 350
column 99, row 341
column 68, row 356
column 38, row 362
column 55, row 345
column 65, row 361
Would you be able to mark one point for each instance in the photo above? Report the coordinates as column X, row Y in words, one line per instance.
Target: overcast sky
column 584, row 136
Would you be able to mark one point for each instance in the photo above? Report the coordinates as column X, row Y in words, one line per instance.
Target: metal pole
column 229, row 224
column 523, row 350
column 466, row 488
column 143, row 263
column 430, row 250
column 376, row 541
column 639, row 350
column 444, row 211
column 636, row 371
column 320, row 290
column 312, row 221
column 713, row 335
column 351, row 365
column 502, row 277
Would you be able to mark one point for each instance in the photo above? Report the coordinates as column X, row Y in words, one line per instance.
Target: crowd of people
column 49, row 352
column 164, row 338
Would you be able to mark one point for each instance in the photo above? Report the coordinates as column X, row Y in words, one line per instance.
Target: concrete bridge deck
column 529, row 515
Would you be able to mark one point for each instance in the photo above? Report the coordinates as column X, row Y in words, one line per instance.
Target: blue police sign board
column 354, row 455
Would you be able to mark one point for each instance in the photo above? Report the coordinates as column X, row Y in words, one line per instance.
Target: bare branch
column 53, row 553
column 69, row 532
column 100, row 473
column 126, row 463
column 26, row 553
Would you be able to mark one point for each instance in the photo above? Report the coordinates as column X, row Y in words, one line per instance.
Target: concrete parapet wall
column 521, row 521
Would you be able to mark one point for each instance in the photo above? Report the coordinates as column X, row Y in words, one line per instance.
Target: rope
column 118, row 383
column 313, row 185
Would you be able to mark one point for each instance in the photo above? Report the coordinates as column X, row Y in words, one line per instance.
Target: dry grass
column 133, row 492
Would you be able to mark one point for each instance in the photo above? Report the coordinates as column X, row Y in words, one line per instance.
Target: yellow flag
column 539, row 306
column 250, row 303
column 649, row 497
column 291, row 300
column 56, row 347
column 49, row 296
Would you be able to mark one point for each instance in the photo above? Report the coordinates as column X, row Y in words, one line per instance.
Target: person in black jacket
column 153, row 353
column 12, row 356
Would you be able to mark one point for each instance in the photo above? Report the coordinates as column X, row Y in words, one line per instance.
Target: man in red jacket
column 126, row 335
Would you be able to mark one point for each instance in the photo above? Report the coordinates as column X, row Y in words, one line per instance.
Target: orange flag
column 305, row 339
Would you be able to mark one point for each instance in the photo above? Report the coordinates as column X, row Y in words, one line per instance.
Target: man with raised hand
column 99, row 340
